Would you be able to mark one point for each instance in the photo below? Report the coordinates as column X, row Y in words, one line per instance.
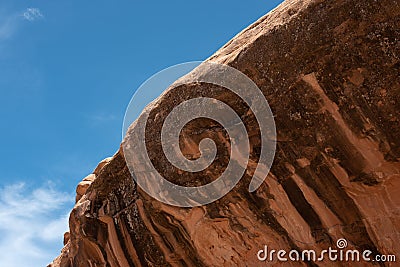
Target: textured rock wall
column 330, row 71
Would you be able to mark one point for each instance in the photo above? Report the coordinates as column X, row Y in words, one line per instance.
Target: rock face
column 330, row 71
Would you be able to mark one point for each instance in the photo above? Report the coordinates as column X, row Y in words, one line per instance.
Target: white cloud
column 9, row 22
column 32, row 14
column 32, row 223
column 7, row 26
column 100, row 119
column 103, row 117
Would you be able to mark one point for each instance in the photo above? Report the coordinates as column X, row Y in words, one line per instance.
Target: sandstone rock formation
column 330, row 71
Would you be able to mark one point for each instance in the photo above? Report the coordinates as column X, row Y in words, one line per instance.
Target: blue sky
column 68, row 70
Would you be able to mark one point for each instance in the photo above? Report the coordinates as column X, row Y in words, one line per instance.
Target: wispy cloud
column 9, row 22
column 101, row 118
column 32, row 223
column 7, row 26
column 32, row 13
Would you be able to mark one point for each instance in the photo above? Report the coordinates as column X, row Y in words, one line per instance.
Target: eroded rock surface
column 330, row 71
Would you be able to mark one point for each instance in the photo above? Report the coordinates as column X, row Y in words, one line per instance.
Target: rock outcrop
column 330, row 71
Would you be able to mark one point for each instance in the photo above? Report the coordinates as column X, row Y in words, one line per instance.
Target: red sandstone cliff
column 330, row 71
